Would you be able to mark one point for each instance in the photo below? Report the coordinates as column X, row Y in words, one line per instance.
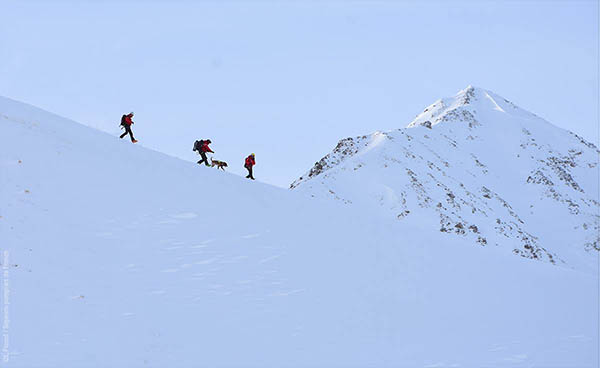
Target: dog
column 218, row 164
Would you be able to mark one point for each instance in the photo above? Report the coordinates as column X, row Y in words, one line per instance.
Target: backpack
column 123, row 120
column 198, row 145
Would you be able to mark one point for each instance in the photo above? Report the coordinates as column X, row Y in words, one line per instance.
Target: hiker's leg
column 130, row 133
column 204, row 158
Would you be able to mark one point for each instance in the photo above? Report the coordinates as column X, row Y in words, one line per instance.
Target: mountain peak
column 473, row 105
column 485, row 170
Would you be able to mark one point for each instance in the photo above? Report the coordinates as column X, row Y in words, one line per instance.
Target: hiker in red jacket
column 126, row 123
column 202, row 147
column 248, row 165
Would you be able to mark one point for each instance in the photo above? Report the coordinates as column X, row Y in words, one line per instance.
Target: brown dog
column 218, row 164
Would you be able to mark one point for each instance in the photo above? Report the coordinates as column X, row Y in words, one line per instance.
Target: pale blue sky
column 287, row 80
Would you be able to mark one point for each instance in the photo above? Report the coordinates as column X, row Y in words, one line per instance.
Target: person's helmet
column 252, row 154
column 131, row 113
column 208, row 141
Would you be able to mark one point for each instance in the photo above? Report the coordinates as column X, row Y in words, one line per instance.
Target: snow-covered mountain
column 476, row 167
column 118, row 256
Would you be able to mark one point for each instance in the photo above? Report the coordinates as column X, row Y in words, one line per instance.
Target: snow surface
column 125, row 257
column 478, row 167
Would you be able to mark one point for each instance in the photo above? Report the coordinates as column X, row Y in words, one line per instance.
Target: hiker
column 248, row 165
column 126, row 123
column 202, row 147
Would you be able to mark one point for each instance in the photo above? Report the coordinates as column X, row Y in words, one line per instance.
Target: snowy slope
column 124, row 257
column 476, row 167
